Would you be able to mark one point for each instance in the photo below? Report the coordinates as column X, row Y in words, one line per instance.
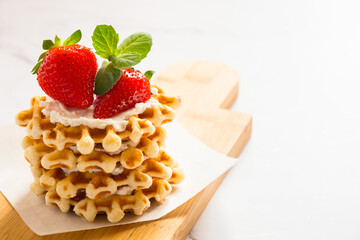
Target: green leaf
column 42, row 55
column 57, row 41
column 126, row 60
column 36, row 68
column 106, row 77
column 105, row 40
column 139, row 43
column 47, row 44
column 148, row 74
column 73, row 39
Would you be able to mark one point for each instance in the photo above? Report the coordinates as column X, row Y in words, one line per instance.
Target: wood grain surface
column 207, row 89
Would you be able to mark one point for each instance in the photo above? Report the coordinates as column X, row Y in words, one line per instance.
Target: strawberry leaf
column 139, row 43
column 106, row 77
column 148, row 74
column 42, row 56
column 47, row 44
column 127, row 60
column 57, row 41
column 105, row 40
column 73, row 39
column 36, row 68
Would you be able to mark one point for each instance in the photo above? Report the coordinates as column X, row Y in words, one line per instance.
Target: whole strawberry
column 132, row 87
column 67, row 73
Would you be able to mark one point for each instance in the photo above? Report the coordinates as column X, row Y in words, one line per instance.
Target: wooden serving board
column 207, row 89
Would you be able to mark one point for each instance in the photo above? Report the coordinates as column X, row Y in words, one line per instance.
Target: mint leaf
column 73, row 39
column 105, row 40
column 139, row 43
column 126, row 60
column 47, row 44
column 106, row 77
column 148, row 74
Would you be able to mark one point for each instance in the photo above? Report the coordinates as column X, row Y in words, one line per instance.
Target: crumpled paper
column 200, row 163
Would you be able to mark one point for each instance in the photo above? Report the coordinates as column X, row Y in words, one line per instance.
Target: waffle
column 33, row 119
column 101, row 171
column 84, row 138
column 38, row 154
column 96, row 184
column 97, row 190
column 177, row 173
column 114, row 205
column 163, row 98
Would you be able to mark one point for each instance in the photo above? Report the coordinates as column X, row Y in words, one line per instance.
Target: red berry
column 67, row 74
column 132, row 87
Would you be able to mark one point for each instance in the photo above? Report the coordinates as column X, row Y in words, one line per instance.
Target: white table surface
column 298, row 177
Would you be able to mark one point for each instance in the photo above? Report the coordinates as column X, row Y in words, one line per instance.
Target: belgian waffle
column 38, row 153
column 60, row 136
column 114, row 205
column 101, row 171
column 152, row 179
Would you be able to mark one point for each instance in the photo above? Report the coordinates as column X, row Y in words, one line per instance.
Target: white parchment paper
column 201, row 165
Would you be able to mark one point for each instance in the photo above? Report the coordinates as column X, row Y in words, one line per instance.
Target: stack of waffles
column 97, row 171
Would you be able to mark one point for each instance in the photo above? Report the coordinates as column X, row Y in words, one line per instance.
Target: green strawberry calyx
column 125, row 55
column 49, row 44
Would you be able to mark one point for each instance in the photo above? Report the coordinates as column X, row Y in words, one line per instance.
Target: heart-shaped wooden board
column 207, row 89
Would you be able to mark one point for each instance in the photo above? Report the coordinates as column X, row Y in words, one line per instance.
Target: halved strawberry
column 132, row 87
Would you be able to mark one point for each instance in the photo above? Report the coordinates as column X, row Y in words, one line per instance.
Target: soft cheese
column 69, row 116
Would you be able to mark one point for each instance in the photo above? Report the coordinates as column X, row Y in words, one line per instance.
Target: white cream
column 69, row 116
column 124, row 146
column 67, row 171
column 154, row 91
column 118, row 170
column 124, row 190
column 74, row 149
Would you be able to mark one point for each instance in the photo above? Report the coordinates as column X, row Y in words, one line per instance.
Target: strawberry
column 67, row 73
column 132, row 87
column 118, row 87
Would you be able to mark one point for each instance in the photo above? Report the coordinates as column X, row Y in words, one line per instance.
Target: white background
column 298, row 177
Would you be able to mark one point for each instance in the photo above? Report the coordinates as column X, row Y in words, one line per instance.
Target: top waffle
column 57, row 135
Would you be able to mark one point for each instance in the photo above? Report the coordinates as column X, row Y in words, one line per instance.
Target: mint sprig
column 49, row 44
column 129, row 53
